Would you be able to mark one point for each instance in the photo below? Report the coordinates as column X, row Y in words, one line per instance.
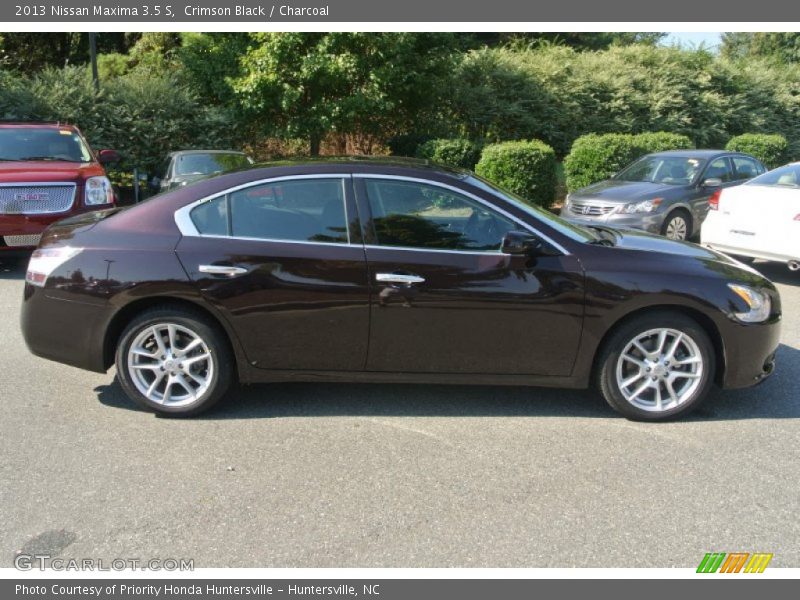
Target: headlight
column 757, row 301
column 98, row 191
column 643, row 206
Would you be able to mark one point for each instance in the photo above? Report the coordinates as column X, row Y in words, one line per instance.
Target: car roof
column 366, row 163
column 697, row 153
column 37, row 124
column 187, row 152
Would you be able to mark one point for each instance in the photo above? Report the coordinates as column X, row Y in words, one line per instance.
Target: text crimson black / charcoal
column 255, row 11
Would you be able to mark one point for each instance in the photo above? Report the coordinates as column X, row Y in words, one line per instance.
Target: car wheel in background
column 677, row 225
column 174, row 362
column 656, row 367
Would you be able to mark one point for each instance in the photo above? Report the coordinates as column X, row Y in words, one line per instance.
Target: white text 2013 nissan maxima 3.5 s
column 760, row 219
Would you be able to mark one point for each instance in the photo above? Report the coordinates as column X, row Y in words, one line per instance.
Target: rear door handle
column 226, row 270
column 398, row 278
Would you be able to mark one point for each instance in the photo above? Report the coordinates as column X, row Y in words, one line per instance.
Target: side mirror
column 712, row 182
column 521, row 243
column 108, row 156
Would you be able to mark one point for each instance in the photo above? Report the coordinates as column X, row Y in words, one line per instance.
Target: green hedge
column 455, row 153
column 527, row 168
column 770, row 149
column 140, row 114
column 596, row 157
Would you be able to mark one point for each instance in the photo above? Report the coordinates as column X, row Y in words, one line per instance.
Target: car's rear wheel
column 174, row 362
column 656, row 367
column 677, row 225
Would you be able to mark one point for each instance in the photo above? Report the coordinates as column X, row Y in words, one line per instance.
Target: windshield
column 206, row 164
column 46, row 143
column 674, row 170
column 575, row 232
column 788, row 176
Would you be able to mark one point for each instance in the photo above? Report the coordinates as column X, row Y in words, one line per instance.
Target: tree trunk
column 315, row 140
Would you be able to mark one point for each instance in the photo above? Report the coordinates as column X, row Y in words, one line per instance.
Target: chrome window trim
column 186, row 226
column 506, row 214
column 70, row 184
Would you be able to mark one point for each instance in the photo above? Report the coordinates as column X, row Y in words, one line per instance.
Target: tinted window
column 296, row 210
column 788, row 176
column 211, row 218
column 677, row 170
column 719, row 168
column 206, row 164
column 746, row 168
column 420, row 215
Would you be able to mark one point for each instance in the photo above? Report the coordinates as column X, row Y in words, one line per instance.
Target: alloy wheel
column 659, row 370
column 170, row 364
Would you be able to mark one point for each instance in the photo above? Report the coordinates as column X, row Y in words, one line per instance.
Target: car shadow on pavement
column 13, row 268
column 776, row 398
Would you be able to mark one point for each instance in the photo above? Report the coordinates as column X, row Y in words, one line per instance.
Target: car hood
column 614, row 190
column 46, row 171
column 682, row 252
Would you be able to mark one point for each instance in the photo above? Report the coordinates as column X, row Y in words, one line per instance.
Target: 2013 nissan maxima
column 389, row 271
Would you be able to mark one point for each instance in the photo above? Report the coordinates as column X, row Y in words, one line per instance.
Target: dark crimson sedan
column 389, row 271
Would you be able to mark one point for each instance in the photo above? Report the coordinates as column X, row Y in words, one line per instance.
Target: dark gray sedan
column 185, row 166
column 665, row 192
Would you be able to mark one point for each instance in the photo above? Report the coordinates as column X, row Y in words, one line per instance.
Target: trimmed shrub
column 455, row 153
column 596, row 157
column 662, row 140
column 770, row 149
column 526, row 168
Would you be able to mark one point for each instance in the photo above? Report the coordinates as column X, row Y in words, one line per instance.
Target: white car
column 759, row 219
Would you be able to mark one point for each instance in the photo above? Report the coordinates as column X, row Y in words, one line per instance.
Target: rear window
column 207, row 164
column 46, row 143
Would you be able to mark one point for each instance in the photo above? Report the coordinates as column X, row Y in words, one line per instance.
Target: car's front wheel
column 656, row 367
column 174, row 362
column 677, row 226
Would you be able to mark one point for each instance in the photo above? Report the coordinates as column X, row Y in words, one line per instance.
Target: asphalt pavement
column 346, row 475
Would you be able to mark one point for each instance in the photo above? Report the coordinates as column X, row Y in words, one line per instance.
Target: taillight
column 46, row 260
column 713, row 202
column 797, row 217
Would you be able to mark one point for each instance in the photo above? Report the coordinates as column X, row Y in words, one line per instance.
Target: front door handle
column 398, row 278
column 226, row 270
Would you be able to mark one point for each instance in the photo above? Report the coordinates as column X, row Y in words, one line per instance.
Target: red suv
column 47, row 172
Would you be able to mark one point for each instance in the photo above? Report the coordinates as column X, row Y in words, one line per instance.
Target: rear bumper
column 65, row 331
column 728, row 248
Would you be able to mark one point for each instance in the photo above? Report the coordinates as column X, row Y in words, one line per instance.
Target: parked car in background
column 760, row 219
column 47, row 172
column 665, row 193
column 389, row 271
column 183, row 167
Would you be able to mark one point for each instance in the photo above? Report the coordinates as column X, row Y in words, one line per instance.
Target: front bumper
column 650, row 222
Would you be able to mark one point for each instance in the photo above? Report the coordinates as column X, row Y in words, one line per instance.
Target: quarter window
column 746, row 168
column 419, row 215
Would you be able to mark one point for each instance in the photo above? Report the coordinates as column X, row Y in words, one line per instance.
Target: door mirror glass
column 712, row 182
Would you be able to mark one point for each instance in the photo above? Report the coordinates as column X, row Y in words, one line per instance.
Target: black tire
column 673, row 217
column 222, row 373
column 609, row 357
